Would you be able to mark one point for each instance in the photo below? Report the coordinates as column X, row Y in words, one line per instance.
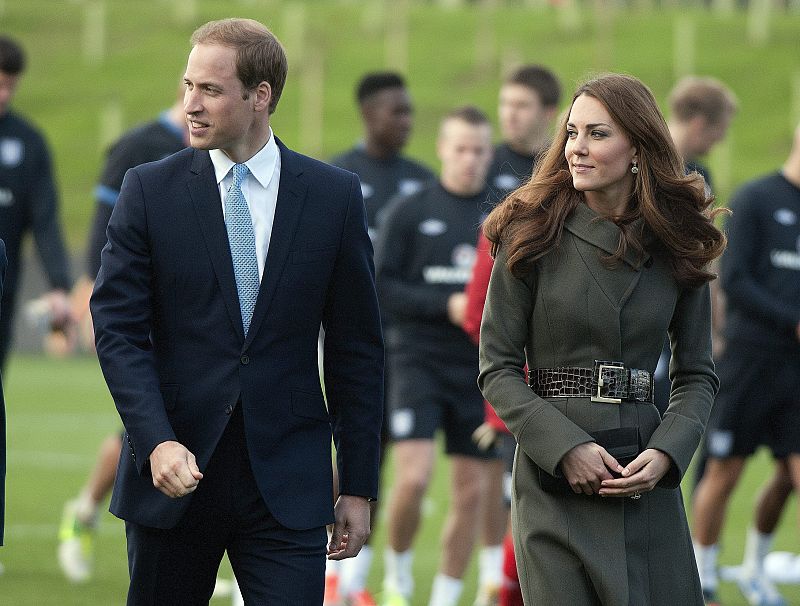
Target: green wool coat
column 570, row 310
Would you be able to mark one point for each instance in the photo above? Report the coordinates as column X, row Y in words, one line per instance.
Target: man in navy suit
column 214, row 368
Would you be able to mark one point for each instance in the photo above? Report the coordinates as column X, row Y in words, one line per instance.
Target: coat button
column 228, row 409
column 245, row 359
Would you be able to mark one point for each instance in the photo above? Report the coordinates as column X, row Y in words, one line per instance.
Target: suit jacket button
column 245, row 359
column 228, row 409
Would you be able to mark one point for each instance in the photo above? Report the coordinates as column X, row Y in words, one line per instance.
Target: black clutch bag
column 622, row 443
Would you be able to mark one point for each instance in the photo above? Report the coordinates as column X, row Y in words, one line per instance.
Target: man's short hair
column 259, row 55
column 12, row 57
column 702, row 96
column 376, row 82
column 540, row 80
column 467, row 113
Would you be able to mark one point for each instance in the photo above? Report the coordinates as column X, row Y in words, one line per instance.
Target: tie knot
column 240, row 171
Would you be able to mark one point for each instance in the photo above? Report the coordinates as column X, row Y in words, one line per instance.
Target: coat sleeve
column 541, row 430
column 694, row 383
column 121, row 306
column 353, row 357
column 476, row 289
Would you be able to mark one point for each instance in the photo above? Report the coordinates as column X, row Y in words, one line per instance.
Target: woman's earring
column 634, row 168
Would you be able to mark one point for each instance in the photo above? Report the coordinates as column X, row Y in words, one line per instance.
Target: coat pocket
column 309, row 406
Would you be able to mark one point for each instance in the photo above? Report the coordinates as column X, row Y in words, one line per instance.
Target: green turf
column 58, row 413
column 455, row 56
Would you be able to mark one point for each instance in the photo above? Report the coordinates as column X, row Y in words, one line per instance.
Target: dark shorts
column 758, row 403
column 506, row 449
column 426, row 395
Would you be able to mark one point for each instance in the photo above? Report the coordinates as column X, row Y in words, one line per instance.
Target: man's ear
column 262, row 96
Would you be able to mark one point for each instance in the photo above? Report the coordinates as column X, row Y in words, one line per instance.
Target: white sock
column 397, row 575
column 490, row 567
column 756, row 548
column 355, row 571
column 706, row 556
column 446, row 590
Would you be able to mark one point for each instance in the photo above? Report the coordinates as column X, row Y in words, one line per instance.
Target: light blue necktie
column 242, row 240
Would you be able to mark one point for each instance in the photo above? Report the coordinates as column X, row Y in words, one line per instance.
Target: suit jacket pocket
column 169, row 392
column 309, row 406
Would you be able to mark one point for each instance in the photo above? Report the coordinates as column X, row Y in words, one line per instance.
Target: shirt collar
column 262, row 165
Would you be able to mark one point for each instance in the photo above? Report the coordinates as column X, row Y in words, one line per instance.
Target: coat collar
column 587, row 225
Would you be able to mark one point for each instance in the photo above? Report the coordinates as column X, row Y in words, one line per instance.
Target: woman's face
column 599, row 154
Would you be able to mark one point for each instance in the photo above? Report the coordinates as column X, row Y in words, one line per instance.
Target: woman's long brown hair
column 674, row 207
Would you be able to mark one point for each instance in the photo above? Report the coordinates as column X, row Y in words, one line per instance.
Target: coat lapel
column 208, row 207
column 289, row 207
column 594, row 233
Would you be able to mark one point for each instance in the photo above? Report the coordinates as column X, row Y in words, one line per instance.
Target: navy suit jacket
column 170, row 341
column 3, row 265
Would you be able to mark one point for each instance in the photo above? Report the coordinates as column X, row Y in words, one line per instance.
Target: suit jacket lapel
column 288, row 209
column 208, row 207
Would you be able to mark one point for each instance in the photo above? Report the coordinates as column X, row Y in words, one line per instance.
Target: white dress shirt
column 260, row 189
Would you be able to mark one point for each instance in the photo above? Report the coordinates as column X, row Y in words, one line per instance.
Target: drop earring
column 634, row 168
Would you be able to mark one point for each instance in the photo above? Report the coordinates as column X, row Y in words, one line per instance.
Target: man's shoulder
column 13, row 124
column 347, row 159
column 406, row 205
column 758, row 190
column 143, row 143
column 182, row 160
column 415, row 168
column 313, row 168
column 141, row 135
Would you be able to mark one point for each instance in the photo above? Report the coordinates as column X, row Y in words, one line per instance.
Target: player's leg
column 79, row 519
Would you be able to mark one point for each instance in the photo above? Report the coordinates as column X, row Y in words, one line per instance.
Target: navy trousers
column 273, row 564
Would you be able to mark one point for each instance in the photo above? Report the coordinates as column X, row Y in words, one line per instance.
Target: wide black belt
column 605, row 382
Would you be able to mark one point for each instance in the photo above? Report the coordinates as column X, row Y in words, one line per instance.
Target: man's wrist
column 360, row 496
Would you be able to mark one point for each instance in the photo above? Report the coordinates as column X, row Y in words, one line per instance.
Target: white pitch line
column 47, row 460
column 50, row 531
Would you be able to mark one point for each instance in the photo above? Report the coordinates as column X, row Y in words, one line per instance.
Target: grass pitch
column 60, row 410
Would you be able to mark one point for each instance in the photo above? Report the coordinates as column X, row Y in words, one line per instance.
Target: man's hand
column 351, row 527
column 59, row 307
column 457, row 308
column 641, row 475
column 174, row 469
column 484, row 436
column 586, row 466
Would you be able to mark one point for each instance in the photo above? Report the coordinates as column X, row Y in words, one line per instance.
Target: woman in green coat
column 598, row 258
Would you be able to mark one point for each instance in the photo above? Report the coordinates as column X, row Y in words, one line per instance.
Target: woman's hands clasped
column 641, row 475
column 588, row 469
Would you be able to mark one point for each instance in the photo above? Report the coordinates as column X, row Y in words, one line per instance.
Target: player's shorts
column 427, row 395
column 506, row 449
column 758, row 403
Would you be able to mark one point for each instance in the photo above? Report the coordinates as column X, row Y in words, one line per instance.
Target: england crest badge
column 11, row 152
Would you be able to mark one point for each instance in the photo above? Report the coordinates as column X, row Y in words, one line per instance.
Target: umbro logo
column 432, row 227
column 785, row 216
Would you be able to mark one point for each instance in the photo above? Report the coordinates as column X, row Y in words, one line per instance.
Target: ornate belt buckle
column 599, row 367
